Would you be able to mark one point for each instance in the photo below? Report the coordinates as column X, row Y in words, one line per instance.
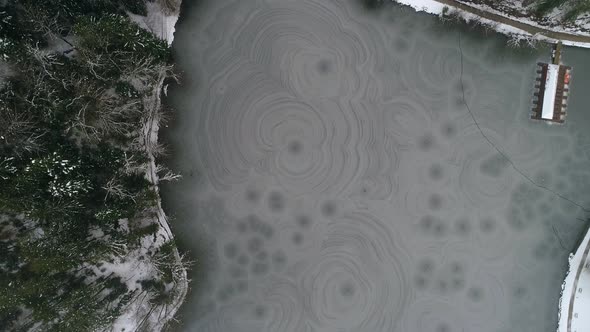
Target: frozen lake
column 335, row 181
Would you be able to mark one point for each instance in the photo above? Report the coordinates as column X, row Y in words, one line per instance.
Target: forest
column 74, row 196
column 573, row 8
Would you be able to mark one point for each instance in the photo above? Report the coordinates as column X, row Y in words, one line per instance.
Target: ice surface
column 335, row 181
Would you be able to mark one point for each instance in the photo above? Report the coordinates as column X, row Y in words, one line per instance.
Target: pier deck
column 552, row 87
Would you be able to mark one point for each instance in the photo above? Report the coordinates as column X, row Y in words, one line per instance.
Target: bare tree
column 19, row 131
column 166, row 174
column 115, row 188
column 167, row 261
column 101, row 112
column 51, row 27
column 131, row 165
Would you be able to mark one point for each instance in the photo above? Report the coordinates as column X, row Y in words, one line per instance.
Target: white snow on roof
column 550, row 90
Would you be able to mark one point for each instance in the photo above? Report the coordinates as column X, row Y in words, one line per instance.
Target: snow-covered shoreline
column 143, row 314
column 516, row 9
column 440, row 8
column 573, row 300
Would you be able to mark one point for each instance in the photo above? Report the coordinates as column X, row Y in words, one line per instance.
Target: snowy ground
column 436, row 7
column 575, row 301
column 158, row 21
column 517, row 10
column 141, row 313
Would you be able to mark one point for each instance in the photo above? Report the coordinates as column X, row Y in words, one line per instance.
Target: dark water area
column 334, row 179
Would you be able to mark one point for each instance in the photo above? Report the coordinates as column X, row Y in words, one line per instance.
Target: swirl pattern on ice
column 341, row 183
column 356, row 282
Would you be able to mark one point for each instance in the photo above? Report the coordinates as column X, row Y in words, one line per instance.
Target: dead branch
column 115, row 188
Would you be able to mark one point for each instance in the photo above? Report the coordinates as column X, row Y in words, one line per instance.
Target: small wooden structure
column 552, row 89
column 556, row 53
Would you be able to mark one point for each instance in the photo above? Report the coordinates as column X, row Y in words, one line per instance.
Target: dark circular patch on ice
column 229, row 289
column 426, row 266
column 266, row 230
column 255, row 244
column 426, row 142
column 254, row 222
column 242, row 227
column 494, row 165
column 515, row 220
column 475, row 294
column 462, row 226
column 328, row 209
column 303, row 221
column 324, row 66
column 241, row 286
column 347, row 289
column 297, row 238
column 243, row 260
column 295, row 147
column 259, row 268
column 520, row 292
column 443, row 328
column 426, row 223
column 487, row 225
column 260, row 311
column 252, row 195
column 279, row 258
column 439, row 229
column 443, row 286
column 449, row 130
column 401, row 45
column 435, row 172
column 230, row 250
column 276, row 201
column 222, row 296
column 458, row 283
column 456, row 268
column 420, row 282
column 237, row 272
column 435, row 201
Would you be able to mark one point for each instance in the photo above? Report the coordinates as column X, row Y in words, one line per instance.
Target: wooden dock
column 550, row 97
column 556, row 53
